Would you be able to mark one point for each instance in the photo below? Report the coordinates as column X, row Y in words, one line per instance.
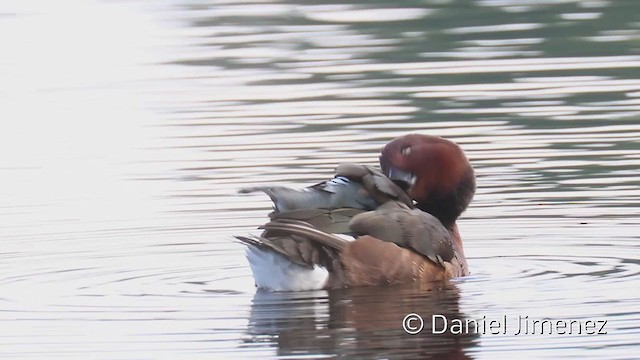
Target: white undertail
column 273, row 271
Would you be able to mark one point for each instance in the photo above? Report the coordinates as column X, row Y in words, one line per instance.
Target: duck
column 368, row 226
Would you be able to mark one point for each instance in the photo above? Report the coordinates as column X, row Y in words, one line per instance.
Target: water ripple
column 124, row 150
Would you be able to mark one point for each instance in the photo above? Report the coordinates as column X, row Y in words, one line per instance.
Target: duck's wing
column 377, row 185
column 409, row 228
column 354, row 186
column 333, row 221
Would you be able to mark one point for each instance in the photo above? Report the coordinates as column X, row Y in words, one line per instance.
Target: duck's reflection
column 359, row 322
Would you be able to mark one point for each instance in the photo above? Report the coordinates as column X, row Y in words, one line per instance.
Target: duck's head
column 434, row 172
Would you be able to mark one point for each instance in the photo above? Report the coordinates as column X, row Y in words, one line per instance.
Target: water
column 127, row 127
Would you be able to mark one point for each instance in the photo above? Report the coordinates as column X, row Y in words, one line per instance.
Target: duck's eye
column 405, row 151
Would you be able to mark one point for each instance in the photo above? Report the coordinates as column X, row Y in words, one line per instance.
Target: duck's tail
column 292, row 255
column 274, row 271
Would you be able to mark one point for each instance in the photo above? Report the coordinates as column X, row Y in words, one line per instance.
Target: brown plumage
column 403, row 217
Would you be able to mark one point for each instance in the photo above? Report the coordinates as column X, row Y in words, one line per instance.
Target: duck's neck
column 443, row 209
column 448, row 204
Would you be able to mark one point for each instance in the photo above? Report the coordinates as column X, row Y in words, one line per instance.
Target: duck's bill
column 402, row 178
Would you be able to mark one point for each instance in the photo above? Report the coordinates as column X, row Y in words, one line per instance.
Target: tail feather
column 250, row 241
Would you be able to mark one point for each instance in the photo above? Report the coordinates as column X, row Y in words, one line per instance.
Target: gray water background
column 126, row 128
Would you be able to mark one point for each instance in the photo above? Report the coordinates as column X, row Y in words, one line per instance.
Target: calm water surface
column 126, row 128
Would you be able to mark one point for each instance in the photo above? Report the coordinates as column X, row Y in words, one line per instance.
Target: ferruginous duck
column 366, row 226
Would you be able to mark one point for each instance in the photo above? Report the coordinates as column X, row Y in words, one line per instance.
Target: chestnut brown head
column 434, row 172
